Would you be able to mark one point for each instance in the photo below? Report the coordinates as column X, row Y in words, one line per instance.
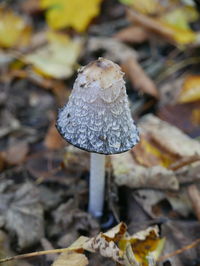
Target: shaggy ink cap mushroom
column 97, row 117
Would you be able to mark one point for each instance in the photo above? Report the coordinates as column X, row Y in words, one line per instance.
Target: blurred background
column 44, row 180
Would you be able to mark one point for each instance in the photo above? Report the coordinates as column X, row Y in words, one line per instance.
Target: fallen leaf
column 14, row 31
column 148, row 153
column 188, row 173
column 170, row 138
column 164, row 204
column 170, row 32
column 129, row 173
column 15, row 153
column 76, row 14
column 143, row 248
column 71, row 259
column 181, row 16
column 179, row 234
column 182, row 116
column 116, row 233
column 8, row 123
column 68, row 215
column 138, row 77
column 57, row 58
column 23, row 214
column 106, row 248
column 190, row 90
column 5, row 249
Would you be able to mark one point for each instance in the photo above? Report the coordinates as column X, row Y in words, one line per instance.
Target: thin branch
column 181, row 250
column 34, row 254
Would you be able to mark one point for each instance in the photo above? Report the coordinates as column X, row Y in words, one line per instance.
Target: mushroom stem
column 97, row 184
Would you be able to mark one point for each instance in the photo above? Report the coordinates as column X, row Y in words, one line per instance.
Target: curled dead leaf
column 142, row 248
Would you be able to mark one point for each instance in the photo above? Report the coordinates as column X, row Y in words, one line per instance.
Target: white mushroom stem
column 97, row 184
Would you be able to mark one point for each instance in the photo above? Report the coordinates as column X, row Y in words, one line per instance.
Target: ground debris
column 23, row 214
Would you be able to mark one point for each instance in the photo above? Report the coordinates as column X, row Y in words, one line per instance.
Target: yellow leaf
column 181, row 36
column 190, row 91
column 71, row 259
column 145, row 246
column 149, row 153
column 177, row 21
column 57, row 58
column 14, row 31
column 70, row 13
column 180, row 17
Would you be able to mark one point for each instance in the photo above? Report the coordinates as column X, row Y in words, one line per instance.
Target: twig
column 179, row 251
column 34, row 254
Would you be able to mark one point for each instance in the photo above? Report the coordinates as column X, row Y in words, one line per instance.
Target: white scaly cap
column 97, row 117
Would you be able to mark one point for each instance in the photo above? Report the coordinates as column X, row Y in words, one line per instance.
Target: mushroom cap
column 97, row 117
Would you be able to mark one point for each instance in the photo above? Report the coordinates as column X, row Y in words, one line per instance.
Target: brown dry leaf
column 162, row 146
column 181, row 233
column 16, row 153
column 138, row 77
column 53, row 140
column 190, row 90
column 132, row 34
column 71, row 259
column 104, row 243
column 154, row 203
column 128, row 172
column 184, row 116
column 149, row 153
column 106, row 248
column 169, row 137
column 116, row 233
column 14, row 31
column 22, row 211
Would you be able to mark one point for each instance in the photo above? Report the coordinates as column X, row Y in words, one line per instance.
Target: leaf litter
column 44, row 185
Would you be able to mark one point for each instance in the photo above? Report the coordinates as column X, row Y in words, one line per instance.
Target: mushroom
column 97, row 119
